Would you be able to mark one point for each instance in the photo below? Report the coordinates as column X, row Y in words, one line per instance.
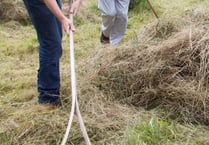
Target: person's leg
column 49, row 34
column 108, row 14
column 121, row 20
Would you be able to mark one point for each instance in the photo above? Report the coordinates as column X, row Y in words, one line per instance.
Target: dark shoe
column 50, row 99
column 104, row 39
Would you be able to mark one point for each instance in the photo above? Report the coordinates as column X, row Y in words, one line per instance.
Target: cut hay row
column 172, row 76
column 13, row 10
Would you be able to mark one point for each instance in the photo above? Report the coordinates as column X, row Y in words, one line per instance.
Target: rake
column 75, row 105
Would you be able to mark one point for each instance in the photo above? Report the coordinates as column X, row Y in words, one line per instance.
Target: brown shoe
column 104, row 39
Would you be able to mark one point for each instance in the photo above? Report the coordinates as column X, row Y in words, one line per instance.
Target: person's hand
column 75, row 7
column 67, row 25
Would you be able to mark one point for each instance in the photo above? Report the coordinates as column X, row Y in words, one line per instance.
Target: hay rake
column 75, row 105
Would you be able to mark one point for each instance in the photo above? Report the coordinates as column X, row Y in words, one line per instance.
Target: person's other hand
column 73, row 9
column 67, row 25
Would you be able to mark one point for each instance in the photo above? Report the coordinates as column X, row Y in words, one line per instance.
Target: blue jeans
column 49, row 33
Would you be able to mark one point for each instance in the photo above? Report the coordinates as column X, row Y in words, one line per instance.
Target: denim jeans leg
column 49, row 34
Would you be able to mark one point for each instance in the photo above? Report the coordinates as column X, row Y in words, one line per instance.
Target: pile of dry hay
column 13, row 10
column 172, row 75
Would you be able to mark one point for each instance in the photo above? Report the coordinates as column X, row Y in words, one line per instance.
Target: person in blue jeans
column 48, row 21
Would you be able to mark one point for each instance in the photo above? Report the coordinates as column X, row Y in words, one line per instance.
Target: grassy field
column 108, row 121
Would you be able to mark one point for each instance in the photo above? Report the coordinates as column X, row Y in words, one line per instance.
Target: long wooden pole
column 153, row 10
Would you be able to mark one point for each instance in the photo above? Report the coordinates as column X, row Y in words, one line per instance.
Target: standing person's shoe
column 104, row 39
column 50, row 99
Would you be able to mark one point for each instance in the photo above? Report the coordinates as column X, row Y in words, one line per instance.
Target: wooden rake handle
column 75, row 105
column 152, row 8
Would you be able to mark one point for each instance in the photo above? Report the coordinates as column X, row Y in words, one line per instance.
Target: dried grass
column 13, row 10
column 172, row 75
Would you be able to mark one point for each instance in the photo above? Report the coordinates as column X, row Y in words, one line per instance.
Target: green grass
column 153, row 132
column 161, row 132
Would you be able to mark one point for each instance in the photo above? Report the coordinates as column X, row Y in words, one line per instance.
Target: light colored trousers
column 114, row 18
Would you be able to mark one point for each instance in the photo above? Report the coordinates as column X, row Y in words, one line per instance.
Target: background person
column 114, row 20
